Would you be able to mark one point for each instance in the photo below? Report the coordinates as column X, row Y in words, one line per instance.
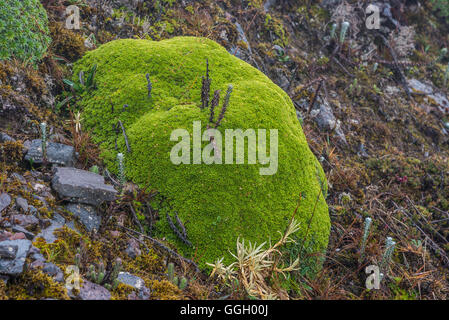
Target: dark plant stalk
column 215, row 102
column 126, row 137
column 225, row 106
column 177, row 232
column 205, row 88
column 181, row 226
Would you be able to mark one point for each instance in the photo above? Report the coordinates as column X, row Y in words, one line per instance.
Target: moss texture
column 23, row 30
column 217, row 203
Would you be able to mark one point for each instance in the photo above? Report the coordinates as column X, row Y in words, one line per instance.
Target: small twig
column 181, row 225
column 124, row 135
column 177, row 232
column 317, row 91
column 225, row 106
column 341, row 66
column 136, row 219
column 110, row 178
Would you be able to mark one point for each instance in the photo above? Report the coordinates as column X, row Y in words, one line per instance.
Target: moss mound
column 216, row 202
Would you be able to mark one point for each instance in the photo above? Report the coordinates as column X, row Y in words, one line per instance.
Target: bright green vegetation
column 24, row 33
column 217, row 203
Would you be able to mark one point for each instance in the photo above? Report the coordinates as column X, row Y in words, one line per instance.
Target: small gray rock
column 57, row 222
column 8, row 251
column 134, row 281
column 5, row 201
column 54, row 271
column 92, row 291
column 35, row 255
column 29, row 235
column 5, row 138
column 15, row 266
column 86, row 214
column 57, row 153
column 131, row 280
column 25, row 221
column 22, row 204
column 82, row 186
column 17, row 176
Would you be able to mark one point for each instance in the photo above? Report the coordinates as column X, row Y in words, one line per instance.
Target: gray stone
column 92, row 291
column 15, row 266
column 437, row 98
column 22, row 204
column 8, row 251
column 5, row 201
column 48, row 233
column 25, row 221
column 134, row 281
column 5, row 138
column 35, row 255
column 82, row 186
column 133, row 250
column 326, row 121
column 57, row 222
column 131, row 280
column 57, row 153
column 29, row 235
column 19, row 177
column 54, row 271
column 86, row 214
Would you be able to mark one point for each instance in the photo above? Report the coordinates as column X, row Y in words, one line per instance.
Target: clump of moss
column 145, row 264
column 3, row 295
column 165, row 290
column 64, row 249
column 122, row 292
column 32, row 285
column 218, row 203
column 66, row 43
column 11, row 151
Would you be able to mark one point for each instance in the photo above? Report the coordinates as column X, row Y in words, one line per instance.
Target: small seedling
column 343, row 31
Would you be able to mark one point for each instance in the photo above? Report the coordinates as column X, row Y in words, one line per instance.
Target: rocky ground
column 374, row 109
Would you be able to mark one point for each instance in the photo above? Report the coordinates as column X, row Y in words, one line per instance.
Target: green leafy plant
column 86, row 83
column 24, row 32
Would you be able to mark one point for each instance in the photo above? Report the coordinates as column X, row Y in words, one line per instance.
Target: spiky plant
column 368, row 221
column 255, row 266
column 344, row 31
column 121, row 168
column 388, row 253
column 333, row 30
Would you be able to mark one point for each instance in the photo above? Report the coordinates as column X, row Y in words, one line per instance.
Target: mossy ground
column 218, row 203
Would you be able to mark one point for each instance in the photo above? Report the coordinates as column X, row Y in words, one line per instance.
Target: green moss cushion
column 216, row 202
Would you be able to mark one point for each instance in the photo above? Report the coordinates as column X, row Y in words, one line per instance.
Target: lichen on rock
column 218, row 202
